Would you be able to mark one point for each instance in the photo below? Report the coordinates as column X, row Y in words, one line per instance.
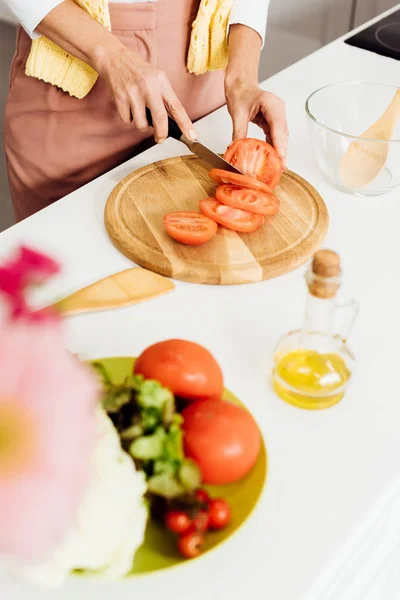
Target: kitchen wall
column 295, row 29
column 367, row 9
column 298, row 27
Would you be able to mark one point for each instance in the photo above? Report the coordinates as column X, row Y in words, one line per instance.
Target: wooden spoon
column 363, row 161
column 121, row 289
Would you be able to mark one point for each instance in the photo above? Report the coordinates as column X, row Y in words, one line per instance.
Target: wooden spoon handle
column 393, row 110
column 131, row 286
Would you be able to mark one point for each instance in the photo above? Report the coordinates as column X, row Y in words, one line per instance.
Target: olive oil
column 311, row 379
column 313, row 366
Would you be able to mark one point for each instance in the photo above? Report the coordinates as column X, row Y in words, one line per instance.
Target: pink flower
column 35, row 266
column 28, row 268
column 10, row 280
column 47, row 401
column 47, row 421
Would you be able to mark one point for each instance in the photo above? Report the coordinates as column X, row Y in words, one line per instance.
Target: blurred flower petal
column 57, row 396
column 37, row 266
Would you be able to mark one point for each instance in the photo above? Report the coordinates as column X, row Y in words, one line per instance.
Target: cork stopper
column 326, row 263
column 324, row 278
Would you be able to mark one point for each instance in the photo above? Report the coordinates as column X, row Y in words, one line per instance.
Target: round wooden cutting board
column 134, row 220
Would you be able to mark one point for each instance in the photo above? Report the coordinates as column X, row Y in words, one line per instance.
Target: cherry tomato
column 201, row 521
column 190, row 544
column 231, row 218
column 252, row 200
column 190, row 227
column 220, row 513
column 202, row 496
column 187, row 369
column 221, row 176
column 257, row 159
column 222, row 438
column 177, row 521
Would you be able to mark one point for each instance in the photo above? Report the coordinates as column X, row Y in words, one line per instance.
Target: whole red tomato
column 187, row 369
column 178, row 521
column 222, row 438
column 190, row 544
column 220, row 513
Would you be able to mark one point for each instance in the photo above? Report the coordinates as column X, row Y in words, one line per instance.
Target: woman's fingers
column 135, row 85
column 177, row 112
column 124, row 108
column 259, row 120
column 138, row 110
column 248, row 103
column 273, row 109
column 240, row 121
column 159, row 116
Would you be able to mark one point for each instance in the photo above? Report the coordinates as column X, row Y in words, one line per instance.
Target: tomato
column 201, row 521
column 222, row 438
column 202, row 497
column 187, row 369
column 252, row 200
column 257, row 159
column 220, row 176
column 231, row 218
column 190, row 545
column 177, row 521
column 190, row 227
column 220, row 513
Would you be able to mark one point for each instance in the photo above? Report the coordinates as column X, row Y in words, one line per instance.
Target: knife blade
column 213, row 159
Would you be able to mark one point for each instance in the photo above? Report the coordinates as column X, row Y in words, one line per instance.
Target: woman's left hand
column 247, row 103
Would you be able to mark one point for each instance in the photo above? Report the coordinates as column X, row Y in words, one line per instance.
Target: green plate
column 159, row 549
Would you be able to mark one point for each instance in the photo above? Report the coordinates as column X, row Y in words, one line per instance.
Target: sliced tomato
column 221, row 176
column 257, row 159
column 190, row 227
column 251, row 200
column 231, row 218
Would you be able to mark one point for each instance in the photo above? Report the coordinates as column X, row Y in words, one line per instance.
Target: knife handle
column 173, row 128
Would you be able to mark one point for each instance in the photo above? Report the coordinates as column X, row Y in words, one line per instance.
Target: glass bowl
column 337, row 115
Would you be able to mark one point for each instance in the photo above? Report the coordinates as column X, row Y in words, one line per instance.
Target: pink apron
column 56, row 143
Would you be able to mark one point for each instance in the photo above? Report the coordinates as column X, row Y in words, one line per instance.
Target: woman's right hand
column 135, row 84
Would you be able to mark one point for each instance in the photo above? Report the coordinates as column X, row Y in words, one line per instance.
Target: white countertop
column 319, row 517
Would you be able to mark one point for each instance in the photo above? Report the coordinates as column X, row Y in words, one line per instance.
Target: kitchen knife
column 213, row 159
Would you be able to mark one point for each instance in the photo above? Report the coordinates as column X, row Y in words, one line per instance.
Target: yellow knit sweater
column 208, row 49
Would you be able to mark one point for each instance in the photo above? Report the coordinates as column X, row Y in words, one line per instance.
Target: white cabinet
column 5, row 14
column 298, row 27
column 368, row 9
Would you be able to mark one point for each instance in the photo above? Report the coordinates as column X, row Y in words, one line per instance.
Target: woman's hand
column 247, row 103
column 135, row 84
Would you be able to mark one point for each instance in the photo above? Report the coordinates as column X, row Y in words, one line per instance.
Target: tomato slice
column 190, row 227
column 251, row 200
column 231, row 218
column 221, row 176
column 257, row 159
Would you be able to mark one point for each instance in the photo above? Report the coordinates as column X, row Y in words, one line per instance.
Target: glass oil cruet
column 313, row 366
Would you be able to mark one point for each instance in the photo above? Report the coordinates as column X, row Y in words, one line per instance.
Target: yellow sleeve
column 208, row 50
column 52, row 64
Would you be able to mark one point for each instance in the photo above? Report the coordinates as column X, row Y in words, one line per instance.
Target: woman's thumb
column 240, row 125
